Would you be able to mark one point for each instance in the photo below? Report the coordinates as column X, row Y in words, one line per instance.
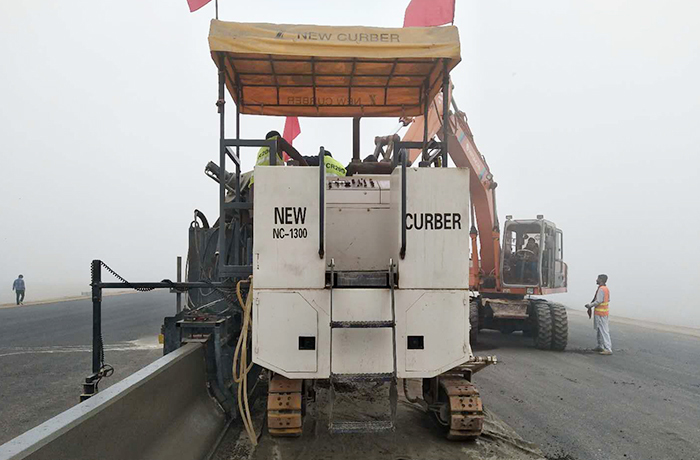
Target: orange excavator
column 505, row 273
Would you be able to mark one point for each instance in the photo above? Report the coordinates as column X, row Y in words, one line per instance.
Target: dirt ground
column 416, row 437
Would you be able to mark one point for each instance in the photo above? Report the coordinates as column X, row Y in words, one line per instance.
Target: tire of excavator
column 543, row 320
column 474, row 322
column 560, row 326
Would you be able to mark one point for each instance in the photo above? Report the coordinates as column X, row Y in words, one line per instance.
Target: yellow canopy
column 322, row 71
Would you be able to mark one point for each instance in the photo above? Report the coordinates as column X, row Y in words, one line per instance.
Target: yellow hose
column 240, row 358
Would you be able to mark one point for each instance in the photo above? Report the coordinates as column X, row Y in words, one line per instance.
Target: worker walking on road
column 18, row 287
column 600, row 306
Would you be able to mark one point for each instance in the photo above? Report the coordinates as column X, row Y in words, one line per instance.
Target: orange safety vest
column 602, row 309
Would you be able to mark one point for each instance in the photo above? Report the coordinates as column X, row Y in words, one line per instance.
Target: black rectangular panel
column 416, row 342
column 307, row 343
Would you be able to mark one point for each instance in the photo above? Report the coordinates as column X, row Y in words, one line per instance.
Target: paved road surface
column 45, row 352
column 641, row 403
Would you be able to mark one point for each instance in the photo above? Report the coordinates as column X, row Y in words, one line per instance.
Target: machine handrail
column 225, row 248
column 402, row 253
column 270, row 143
column 322, row 204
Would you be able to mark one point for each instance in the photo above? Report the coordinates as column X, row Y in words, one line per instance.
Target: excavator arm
column 484, row 271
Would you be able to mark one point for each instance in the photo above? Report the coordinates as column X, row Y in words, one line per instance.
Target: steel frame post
column 238, row 138
column 402, row 252
column 426, row 104
column 222, row 164
column 496, row 235
column 322, row 201
column 445, row 111
column 178, row 294
column 236, row 230
column 96, row 275
column 356, row 139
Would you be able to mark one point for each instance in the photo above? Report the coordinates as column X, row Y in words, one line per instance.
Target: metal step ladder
column 368, row 426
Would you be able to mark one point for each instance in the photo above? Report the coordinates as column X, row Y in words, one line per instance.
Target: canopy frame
column 332, row 71
column 427, row 86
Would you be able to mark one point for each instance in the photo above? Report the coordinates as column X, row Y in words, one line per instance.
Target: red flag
column 427, row 13
column 196, row 4
column 291, row 131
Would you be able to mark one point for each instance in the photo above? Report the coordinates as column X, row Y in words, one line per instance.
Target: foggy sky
column 586, row 112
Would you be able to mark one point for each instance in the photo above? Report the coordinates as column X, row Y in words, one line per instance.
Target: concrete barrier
column 163, row 411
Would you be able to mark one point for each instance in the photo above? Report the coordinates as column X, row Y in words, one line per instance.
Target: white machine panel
column 437, row 222
column 285, row 325
column 361, row 304
column 439, row 322
column 359, row 225
column 359, row 238
column 439, row 318
column 286, row 228
column 362, row 350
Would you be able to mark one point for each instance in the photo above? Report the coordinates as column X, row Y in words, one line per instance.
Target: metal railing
column 239, row 268
column 322, row 201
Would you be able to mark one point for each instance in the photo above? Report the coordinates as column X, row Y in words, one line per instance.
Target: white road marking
column 133, row 345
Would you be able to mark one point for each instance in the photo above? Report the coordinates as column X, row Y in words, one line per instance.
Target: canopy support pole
column 222, row 164
column 238, row 147
column 426, row 104
column 236, row 225
column 445, row 111
column 356, row 140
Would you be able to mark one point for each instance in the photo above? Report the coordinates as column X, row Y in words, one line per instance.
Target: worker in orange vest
column 600, row 305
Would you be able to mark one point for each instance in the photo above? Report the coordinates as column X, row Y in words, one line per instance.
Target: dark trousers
column 20, row 295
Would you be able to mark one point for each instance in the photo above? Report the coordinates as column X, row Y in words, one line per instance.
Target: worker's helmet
column 272, row 134
column 603, row 278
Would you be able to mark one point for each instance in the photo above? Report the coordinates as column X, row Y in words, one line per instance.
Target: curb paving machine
column 357, row 278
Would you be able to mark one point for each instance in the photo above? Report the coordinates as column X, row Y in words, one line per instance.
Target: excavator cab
column 533, row 253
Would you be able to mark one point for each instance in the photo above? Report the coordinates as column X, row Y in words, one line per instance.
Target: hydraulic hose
column 240, row 360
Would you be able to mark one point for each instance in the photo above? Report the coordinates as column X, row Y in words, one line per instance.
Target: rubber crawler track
column 543, row 338
column 560, row 326
column 466, row 409
column 284, row 400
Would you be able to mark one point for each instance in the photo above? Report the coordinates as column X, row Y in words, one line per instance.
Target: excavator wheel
column 459, row 410
column 474, row 322
column 543, row 320
column 285, row 400
column 560, row 326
